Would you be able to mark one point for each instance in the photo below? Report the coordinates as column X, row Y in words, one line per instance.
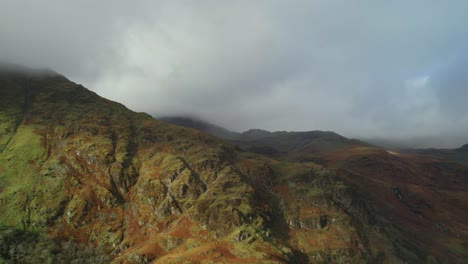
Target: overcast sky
column 391, row 69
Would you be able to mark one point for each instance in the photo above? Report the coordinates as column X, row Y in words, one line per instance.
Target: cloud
column 377, row 69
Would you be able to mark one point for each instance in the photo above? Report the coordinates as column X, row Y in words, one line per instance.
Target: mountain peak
column 464, row 148
column 199, row 124
column 255, row 133
column 7, row 68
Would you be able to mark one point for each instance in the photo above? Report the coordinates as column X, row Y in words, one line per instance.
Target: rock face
column 77, row 168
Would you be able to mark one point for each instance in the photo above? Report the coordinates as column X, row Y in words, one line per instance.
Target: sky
column 396, row 69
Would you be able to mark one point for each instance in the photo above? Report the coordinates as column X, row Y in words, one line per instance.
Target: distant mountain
column 416, row 142
column 298, row 145
column 459, row 155
column 201, row 125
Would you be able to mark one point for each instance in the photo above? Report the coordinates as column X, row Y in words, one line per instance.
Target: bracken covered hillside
column 82, row 177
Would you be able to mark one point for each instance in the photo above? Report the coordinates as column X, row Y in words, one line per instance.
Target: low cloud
column 394, row 69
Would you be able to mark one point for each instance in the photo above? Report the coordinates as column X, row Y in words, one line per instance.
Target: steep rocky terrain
column 82, row 177
column 420, row 195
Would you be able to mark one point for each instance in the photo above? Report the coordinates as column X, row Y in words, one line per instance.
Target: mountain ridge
column 295, row 145
column 75, row 167
column 219, row 131
column 459, row 155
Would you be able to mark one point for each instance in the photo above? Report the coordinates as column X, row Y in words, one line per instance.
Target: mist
column 378, row 69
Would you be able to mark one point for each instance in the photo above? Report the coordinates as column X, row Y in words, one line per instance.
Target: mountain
column 201, row 125
column 84, row 178
column 309, row 145
column 463, row 149
column 459, row 155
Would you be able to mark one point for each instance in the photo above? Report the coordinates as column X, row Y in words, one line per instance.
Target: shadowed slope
column 459, row 155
